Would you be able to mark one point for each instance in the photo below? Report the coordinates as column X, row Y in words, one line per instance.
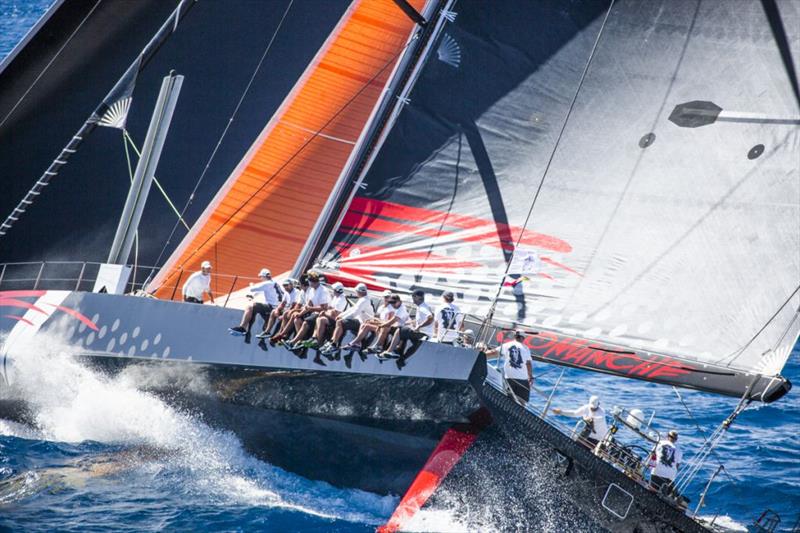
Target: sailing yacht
column 602, row 174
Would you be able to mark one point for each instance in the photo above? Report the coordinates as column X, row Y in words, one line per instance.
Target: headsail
column 267, row 207
column 646, row 233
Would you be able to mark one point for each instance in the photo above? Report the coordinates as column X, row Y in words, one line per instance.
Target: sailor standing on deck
column 198, row 285
column 668, row 457
column 593, row 416
column 449, row 319
column 517, row 365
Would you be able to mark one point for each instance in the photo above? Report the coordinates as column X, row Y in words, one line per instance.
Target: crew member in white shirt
column 287, row 319
column 668, row 457
column 289, row 300
column 392, row 314
column 517, row 365
column 594, row 418
column 317, row 300
column 416, row 331
column 350, row 320
column 198, row 285
column 270, row 292
column 449, row 319
column 337, row 304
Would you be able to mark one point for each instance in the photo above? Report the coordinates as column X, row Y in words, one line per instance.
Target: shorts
column 408, row 334
column 311, row 319
column 262, row 309
column 352, row 325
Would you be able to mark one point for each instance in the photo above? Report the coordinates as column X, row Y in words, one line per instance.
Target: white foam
column 74, row 404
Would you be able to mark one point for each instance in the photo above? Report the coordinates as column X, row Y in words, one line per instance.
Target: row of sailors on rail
column 304, row 314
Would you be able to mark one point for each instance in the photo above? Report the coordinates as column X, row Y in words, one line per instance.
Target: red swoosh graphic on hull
column 75, row 314
column 13, row 302
column 19, row 318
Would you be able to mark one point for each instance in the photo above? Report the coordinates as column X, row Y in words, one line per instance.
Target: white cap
column 205, row 264
column 337, row 287
column 361, row 287
column 387, row 293
column 468, row 333
column 264, row 273
column 594, row 402
column 635, row 418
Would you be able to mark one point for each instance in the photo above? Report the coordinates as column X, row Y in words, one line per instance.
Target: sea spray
column 70, row 402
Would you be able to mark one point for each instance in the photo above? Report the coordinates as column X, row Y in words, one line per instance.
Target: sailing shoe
column 237, row 330
column 328, row 346
column 310, row 343
column 263, row 335
column 373, row 349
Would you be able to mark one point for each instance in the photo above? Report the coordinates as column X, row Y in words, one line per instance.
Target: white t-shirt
column 402, row 316
column 424, row 312
column 317, row 297
column 598, row 416
column 196, row 284
column 291, row 297
column 271, row 291
column 385, row 312
column 339, row 302
column 448, row 322
column 361, row 311
column 515, row 356
column 668, row 457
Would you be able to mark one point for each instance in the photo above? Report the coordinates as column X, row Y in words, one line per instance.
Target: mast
column 402, row 81
column 118, row 96
column 145, row 169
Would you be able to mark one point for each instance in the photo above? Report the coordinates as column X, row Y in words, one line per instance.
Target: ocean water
column 101, row 454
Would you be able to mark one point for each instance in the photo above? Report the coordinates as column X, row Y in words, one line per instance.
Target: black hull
column 579, row 472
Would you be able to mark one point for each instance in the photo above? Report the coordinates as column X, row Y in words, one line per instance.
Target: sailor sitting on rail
column 198, row 285
column 517, row 365
column 337, row 304
column 287, row 319
column 272, row 295
column 290, row 300
column 416, row 331
column 594, row 418
column 394, row 314
column 668, row 457
column 350, row 320
column 316, row 302
column 449, row 319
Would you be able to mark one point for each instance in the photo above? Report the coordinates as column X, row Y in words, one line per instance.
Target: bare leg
column 247, row 316
column 322, row 326
column 365, row 329
column 395, row 341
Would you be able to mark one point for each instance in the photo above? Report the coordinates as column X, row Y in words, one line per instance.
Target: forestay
column 668, row 219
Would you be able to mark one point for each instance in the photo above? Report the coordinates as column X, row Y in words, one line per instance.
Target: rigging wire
column 49, row 63
column 291, row 158
column 490, row 314
column 702, row 433
column 211, row 157
column 129, row 139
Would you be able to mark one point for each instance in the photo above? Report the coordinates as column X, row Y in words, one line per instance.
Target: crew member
column 289, row 299
column 594, row 418
column 668, row 457
column 338, row 304
column 198, row 285
column 517, row 365
column 272, row 295
column 449, row 319
column 316, row 302
column 349, row 320
column 287, row 319
column 419, row 329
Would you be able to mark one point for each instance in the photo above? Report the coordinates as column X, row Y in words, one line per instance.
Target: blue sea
column 103, row 455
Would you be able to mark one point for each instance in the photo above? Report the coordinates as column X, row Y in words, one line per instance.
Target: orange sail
column 263, row 214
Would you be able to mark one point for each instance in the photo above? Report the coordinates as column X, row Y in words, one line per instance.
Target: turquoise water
column 104, row 455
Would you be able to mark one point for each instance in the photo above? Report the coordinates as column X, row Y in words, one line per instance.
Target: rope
column 129, row 139
column 550, row 159
column 702, row 433
column 49, row 63
column 291, row 158
column 190, row 199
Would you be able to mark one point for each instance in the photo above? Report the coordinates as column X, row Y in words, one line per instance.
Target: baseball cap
column 205, row 264
column 289, row 281
column 519, row 333
column 387, row 293
column 361, row 287
column 594, row 402
column 264, row 273
column 337, row 287
column 313, row 276
column 672, row 434
column 449, row 296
